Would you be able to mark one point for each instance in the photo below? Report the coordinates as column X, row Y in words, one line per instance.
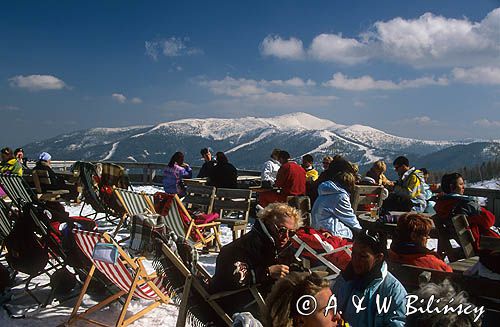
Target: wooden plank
column 231, row 205
column 233, row 193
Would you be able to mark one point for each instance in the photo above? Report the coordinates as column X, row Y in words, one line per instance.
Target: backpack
column 27, row 252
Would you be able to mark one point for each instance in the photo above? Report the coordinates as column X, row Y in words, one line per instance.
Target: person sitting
column 9, row 164
column 377, row 172
column 410, row 245
column 283, row 300
column 326, row 162
column 19, row 154
column 172, row 175
column 366, row 278
column 332, row 210
column 408, row 193
column 423, row 316
column 270, row 169
column 223, row 174
column 454, row 202
column 261, row 256
column 311, row 173
column 207, row 165
column 290, row 179
column 44, row 164
column 338, row 164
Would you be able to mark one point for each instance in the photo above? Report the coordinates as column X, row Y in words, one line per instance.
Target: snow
column 492, row 184
column 255, row 140
column 112, row 151
column 59, row 312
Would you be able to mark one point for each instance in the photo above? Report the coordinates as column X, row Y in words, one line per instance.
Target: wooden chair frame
column 233, row 200
column 360, row 196
column 130, row 201
column 193, row 282
column 41, row 177
column 140, row 277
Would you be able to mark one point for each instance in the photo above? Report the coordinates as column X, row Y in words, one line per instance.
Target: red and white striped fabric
column 118, row 273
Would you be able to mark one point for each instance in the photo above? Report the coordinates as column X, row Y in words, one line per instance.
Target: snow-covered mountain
column 247, row 141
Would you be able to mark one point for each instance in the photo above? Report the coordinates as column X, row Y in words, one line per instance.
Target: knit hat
column 44, row 156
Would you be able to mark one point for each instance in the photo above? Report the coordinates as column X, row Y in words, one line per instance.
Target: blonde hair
column 282, row 301
column 276, row 212
column 379, row 166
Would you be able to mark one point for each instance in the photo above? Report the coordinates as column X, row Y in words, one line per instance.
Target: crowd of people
column 265, row 256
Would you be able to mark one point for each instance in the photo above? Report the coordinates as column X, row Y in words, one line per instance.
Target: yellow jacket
column 11, row 167
column 311, row 175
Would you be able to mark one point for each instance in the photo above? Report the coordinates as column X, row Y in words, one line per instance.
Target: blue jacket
column 332, row 211
column 381, row 282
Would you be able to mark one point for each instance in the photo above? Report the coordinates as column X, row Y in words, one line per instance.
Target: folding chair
column 233, row 206
column 455, row 228
column 6, row 224
column 333, row 271
column 128, row 274
column 180, row 221
column 17, row 189
column 41, row 177
column 193, row 290
column 366, row 196
column 134, row 203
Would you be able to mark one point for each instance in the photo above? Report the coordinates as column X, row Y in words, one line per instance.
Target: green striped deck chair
column 180, row 222
column 5, row 224
column 17, row 189
column 134, row 203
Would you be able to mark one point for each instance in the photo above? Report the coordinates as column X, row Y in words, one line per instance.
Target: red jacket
column 420, row 257
column 480, row 219
column 291, row 178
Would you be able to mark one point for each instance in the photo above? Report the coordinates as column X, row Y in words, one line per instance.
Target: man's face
column 306, row 164
column 20, row 155
column 282, row 231
column 400, row 169
column 207, row 156
column 363, row 259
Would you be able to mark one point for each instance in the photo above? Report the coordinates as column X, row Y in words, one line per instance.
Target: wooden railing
column 492, row 199
column 145, row 173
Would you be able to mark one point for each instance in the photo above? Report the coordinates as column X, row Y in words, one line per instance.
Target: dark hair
column 308, row 158
column 204, row 151
column 6, row 151
column 400, row 161
column 177, row 158
column 221, row 158
column 376, row 241
column 284, row 155
column 449, row 179
column 424, row 171
column 276, row 152
column 19, row 150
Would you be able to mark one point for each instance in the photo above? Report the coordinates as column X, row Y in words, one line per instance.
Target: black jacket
column 56, row 182
column 223, row 175
column 205, row 168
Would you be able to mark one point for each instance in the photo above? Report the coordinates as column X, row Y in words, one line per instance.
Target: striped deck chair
column 6, row 224
column 17, row 189
column 134, row 203
column 128, row 274
column 180, row 222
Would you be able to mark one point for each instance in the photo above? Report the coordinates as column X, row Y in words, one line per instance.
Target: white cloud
column 119, row 97
column 477, row 75
column 365, row 83
column 331, row 47
column 8, row 108
column 420, row 121
column 171, row 47
column 274, row 45
column 253, row 93
column 429, row 40
column 486, row 123
column 37, row 82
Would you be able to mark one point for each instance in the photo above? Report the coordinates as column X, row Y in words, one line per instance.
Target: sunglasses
column 284, row 232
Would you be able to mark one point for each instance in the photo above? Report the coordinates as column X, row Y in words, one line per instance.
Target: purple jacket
column 172, row 179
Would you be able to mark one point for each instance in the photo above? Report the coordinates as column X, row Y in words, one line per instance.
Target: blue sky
column 423, row 69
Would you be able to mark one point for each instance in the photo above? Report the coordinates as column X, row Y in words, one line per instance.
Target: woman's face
column 363, row 259
column 318, row 319
column 459, row 187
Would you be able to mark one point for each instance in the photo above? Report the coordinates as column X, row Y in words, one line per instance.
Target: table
column 370, row 223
